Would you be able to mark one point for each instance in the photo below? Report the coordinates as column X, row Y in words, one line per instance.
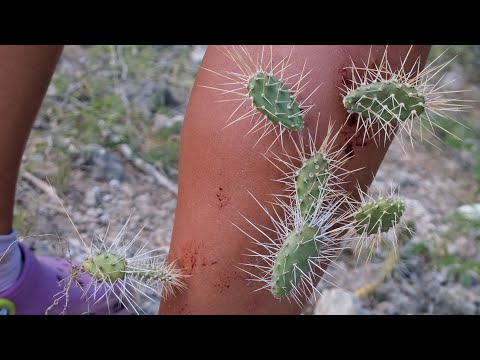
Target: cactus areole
column 389, row 101
column 275, row 101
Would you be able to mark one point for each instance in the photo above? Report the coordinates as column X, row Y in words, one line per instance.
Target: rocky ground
column 107, row 140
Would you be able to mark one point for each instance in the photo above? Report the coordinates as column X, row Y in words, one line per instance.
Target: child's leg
column 218, row 166
column 25, row 72
column 28, row 283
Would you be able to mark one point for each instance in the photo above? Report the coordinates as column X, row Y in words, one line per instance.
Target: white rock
column 91, row 197
column 197, row 53
column 114, row 183
column 52, row 90
column 471, row 211
column 161, row 121
column 339, row 302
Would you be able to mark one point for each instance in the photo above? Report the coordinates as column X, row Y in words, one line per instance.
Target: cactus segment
column 379, row 216
column 275, row 101
column 310, row 180
column 389, row 101
column 105, row 266
column 292, row 261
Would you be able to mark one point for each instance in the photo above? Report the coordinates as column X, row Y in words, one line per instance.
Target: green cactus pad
column 382, row 99
column 105, row 266
column 382, row 214
column 310, row 179
column 297, row 250
column 150, row 272
column 275, row 101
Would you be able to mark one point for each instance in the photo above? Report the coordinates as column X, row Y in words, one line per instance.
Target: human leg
column 218, row 165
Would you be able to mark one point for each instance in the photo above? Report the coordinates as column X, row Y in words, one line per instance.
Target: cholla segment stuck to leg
column 384, row 98
column 292, row 260
column 312, row 169
column 377, row 219
column 315, row 211
column 274, row 100
column 294, row 249
column 390, row 101
column 270, row 94
column 379, row 216
column 312, row 177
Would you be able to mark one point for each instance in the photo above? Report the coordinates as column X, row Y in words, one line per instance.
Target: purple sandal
column 40, row 283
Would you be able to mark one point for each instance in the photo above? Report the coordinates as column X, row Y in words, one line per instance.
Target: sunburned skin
column 220, row 165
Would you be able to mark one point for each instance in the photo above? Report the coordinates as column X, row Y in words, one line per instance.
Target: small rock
column 403, row 304
column 163, row 97
column 464, row 247
column 473, row 277
column 105, row 166
column 339, row 302
column 127, row 190
column 114, row 183
column 107, row 198
column 455, row 300
column 471, row 212
column 384, row 308
column 161, row 121
column 92, row 212
column 466, row 159
column 91, row 197
column 197, row 53
column 52, row 90
column 104, row 219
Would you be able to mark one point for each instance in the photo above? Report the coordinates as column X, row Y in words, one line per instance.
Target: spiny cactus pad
column 105, row 266
column 275, row 101
column 389, row 101
column 294, row 255
column 380, row 215
column 154, row 273
column 311, row 177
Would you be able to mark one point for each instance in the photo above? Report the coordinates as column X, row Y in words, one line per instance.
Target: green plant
column 467, row 56
column 23, row 222
column 379, row 216
column 275, row 94
column 311, row 178
column 389, row 101
column 316, row 221
column 378, row 219
column 114, row 269
column 461, row 137
column 112, row 266
column 271, row 97
column 384, row 99
column 163, row 147
column 459, row 269
column 294, row 254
